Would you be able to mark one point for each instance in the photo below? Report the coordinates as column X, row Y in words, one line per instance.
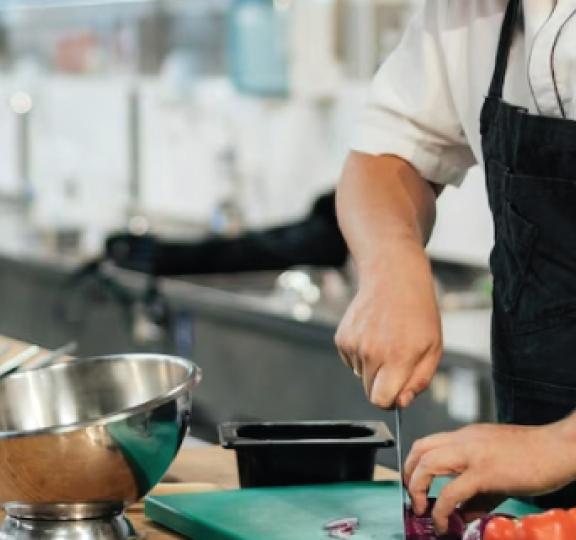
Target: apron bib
column 531, row 181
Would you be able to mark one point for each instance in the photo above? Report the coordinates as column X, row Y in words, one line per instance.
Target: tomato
column 551, row 525
column 572, row 514
column 568, row 520
column 500, row 528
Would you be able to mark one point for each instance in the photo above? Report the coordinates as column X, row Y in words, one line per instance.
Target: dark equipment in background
column 314, row 241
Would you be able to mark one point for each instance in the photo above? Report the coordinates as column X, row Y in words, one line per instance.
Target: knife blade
column 398, row 414
column 12, row 364
column 50, row 358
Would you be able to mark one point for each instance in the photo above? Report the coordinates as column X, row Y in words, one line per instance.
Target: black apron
column 531, row 179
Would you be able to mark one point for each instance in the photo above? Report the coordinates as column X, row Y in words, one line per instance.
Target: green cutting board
column 287, row 513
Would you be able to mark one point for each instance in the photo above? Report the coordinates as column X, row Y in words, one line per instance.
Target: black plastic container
column 297, row 453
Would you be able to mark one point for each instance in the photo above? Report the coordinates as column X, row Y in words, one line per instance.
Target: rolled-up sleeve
column 410, row 111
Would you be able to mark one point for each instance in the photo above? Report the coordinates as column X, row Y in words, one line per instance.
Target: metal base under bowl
column 92, row 521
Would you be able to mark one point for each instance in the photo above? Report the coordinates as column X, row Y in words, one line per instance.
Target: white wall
column 284, row 153
column 10, row 183
column 79, row 153
column 464, row 230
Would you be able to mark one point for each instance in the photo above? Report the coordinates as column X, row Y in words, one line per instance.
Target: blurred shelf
column 198, row 6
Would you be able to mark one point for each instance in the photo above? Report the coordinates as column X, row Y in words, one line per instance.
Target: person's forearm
column 383, row 203
column 390, row 334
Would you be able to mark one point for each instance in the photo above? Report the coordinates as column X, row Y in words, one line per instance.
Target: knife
column 398, row 414
column 51, row 357
column 14, row 363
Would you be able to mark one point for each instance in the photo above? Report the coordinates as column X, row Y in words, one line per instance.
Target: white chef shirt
column 424, row 104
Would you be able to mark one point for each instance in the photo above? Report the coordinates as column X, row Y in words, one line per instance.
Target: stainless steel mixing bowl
column 91, row 434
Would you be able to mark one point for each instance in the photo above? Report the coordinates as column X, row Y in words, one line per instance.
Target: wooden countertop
column 194, row 470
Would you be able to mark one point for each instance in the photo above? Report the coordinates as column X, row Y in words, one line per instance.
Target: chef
column 490, row 82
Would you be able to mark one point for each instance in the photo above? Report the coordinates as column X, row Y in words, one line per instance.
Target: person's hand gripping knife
column 391, row 333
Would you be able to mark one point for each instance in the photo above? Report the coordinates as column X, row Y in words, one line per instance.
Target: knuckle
column 478, row 461
column 422, row 346
column 468, row 431
column 476, row 433
column 343, row 342
column 391, row 354
column 418, row 446
column 367, row 349
column 420, row 384
column 426, row 462
column 341, row 331
column 431, row 348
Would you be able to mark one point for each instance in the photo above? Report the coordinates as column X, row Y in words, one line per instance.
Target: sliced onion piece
column 422, row 527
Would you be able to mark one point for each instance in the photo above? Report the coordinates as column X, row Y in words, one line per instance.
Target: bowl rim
column 192, row 379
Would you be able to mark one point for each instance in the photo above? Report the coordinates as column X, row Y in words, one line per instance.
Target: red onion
column 422, row 527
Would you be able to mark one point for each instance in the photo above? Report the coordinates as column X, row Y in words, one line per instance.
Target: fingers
column 357, row 366
column 382, row 380
column 399, row 382
column 457, row 492
column 350, row 360
column 370, row 370
column 438, row 462
column 387, row 384
column 439, row 455
column 346, row 346
column 345, row 351
column 419, row 379
column 406, row 398
column 394, row 369
column 420, row 448
column 344, row 357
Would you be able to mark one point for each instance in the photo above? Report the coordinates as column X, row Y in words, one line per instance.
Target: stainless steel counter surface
column 271, row 332
column 311, row 307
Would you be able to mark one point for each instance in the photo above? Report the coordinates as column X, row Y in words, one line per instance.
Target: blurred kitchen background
column 196, row 118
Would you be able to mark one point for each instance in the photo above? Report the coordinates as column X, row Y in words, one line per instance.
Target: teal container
column 259, row 47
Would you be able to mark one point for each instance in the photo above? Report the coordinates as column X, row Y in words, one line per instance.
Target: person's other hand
column 490, row 459
column 391, row 333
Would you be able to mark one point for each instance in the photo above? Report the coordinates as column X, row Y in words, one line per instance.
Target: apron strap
column 504, row 46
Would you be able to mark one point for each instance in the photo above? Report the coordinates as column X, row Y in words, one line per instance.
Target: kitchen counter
column 198, row 470
column 24, row 248
column 233, row 327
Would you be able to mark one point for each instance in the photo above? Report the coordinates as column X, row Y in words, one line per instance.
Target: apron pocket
column 511, row 259
column 538, row 237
